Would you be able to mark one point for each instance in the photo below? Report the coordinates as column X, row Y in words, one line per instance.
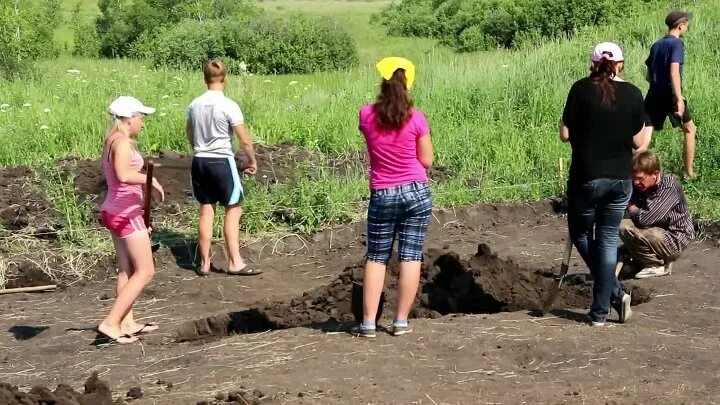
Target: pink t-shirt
column 393, row 154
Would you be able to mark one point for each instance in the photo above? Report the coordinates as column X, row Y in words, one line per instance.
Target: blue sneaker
column 361, row 330
column 402, row 329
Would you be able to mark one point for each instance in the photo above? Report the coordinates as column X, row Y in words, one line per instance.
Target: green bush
column 471, row 25
column 26, row 33
column 122, row 22
column 411, row 18
column 262, row 45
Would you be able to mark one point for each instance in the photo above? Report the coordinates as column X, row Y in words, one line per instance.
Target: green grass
column 494, row 115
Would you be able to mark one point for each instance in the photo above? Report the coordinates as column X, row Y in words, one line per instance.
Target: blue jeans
column 595, row 210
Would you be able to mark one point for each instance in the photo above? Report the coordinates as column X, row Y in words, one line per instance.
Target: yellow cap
column 388, row 66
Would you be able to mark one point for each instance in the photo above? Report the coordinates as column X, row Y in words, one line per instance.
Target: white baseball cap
column 607, row 50
column 126, row 106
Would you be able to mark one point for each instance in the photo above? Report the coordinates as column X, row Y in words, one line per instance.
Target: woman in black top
column 603, row 120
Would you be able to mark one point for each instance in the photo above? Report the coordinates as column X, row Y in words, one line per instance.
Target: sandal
column 200, row 272
column 146, row 328
column 111, row 340
column 245, row 271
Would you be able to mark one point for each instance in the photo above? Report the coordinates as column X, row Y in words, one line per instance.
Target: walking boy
column 665, row 96
column 212, row 120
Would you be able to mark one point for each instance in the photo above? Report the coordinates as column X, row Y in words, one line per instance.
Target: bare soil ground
column 667, row 353
column 281, row 337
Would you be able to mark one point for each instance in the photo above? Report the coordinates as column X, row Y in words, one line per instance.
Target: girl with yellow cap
column 400, row 151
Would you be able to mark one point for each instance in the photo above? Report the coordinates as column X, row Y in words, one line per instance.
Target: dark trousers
column 595, row 209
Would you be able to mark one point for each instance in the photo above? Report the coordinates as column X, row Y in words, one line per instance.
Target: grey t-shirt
column 213, row 117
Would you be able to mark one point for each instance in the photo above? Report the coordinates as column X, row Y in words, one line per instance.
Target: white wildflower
column 292, row 83
column 47, row 110
column 4, row 106
column 44, row 127
column 26, row 105
column 243, row 66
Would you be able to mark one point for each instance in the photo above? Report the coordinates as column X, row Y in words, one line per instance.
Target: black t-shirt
column 601, row 135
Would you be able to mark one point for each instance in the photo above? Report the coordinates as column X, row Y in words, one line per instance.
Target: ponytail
column 603, row 73
column 394, row 104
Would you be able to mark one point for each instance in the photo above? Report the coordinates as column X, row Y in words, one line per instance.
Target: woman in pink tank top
column 122, row 216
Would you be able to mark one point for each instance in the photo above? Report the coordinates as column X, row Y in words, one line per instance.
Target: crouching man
column 660, row 227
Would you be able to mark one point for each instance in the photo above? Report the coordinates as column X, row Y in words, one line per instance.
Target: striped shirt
column 664, row 206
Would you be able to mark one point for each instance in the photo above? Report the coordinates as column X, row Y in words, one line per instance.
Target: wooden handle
column 28, row 289
column 148, row 193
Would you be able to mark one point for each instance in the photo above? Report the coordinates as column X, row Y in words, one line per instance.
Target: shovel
column 563, row 272
column 154, row 246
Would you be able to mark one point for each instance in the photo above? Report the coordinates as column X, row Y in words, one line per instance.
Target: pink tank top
column 122, row 199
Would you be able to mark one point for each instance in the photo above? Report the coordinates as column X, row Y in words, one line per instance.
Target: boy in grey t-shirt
column 212, row 119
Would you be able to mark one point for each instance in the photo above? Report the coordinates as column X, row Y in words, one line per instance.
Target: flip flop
column 200, row 273
column 146, row 328
column 111, row 340
column 245, row 271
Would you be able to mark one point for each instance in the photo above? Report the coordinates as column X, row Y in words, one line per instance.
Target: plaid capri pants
column 402, row 211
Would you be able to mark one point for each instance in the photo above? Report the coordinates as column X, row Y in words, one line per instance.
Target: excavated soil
column 21, row 203
column 97, row 392
column 482, row 283
column 28, row 274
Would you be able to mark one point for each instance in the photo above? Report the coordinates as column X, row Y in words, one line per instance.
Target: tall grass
column 494, row 115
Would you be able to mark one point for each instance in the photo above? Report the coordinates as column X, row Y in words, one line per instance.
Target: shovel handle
column 148, row 193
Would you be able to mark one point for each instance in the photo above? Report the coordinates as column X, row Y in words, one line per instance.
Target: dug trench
column 481, row 284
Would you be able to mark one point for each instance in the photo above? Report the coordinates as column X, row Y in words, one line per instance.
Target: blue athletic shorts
column 216, row 181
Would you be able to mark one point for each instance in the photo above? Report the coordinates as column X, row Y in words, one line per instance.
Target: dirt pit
column 483, row 283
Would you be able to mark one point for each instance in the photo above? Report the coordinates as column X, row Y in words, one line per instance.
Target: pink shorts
column 122, row 227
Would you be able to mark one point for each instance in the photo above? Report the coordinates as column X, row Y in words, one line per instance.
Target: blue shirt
column 666, row 50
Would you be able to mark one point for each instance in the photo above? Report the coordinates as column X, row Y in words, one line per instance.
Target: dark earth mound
column 97, row 392
column 28, row 275
column 21, row 204
column 485, row 283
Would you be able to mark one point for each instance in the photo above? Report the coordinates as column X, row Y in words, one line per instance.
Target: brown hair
column 214, row 71
column 677, row 23
column 393, row 104
column 646, row 162
column 602, row 73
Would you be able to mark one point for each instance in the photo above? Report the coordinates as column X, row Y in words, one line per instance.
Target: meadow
column 494, row 115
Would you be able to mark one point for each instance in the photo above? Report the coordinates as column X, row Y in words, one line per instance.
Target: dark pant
column 595, row 210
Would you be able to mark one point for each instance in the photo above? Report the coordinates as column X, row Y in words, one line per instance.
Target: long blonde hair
column 115, row 125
